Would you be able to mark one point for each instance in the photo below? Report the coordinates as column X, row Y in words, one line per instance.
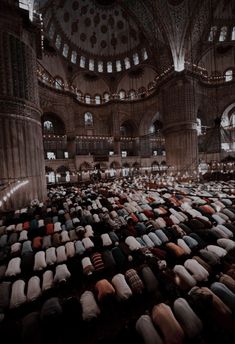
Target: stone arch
column 227, row 110
column 227, row 122
column 62, row 169
column 163, row 166
column 155, row 163
column 115, row 164
column 63, row 174
column 136, row 164
column 101, row 165
column 137, row 79
column 57, row 124
column 155, row 166
column 128, row 128
column 148, row 120
column 85, row 166
column 156, row 127
column 48, row 169
column 90, row 82
column 50, row 175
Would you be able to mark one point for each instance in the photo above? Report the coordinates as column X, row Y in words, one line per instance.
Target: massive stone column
column 21, row 147
column 179, row 127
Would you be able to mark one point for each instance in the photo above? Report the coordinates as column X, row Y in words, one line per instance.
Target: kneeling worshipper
column 33, row 289
column 104, row 289
column 187, row 318
column 146, row 329
column 62, row 273
column 164, row 318
column 18, row 296
column 90, row 309
column 122, row 289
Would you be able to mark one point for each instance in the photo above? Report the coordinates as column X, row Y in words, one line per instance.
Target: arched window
column 122, row 94
column 106, row 97
column 233, row 34
column 223, row 34
column 127, row 129
column 74, row 57
column 127, row 63
column 52, row 124
column 91, row 64
column 82, row 62
column 65, row 50
column 51, row 31
column 58, row 42
column 88, row 118
column 212, row 33
column 199, row 126
column 59, row 83
column 118, row 66
column 144, row 54
column 228, row 75
column 48, row 127
column 87, row 99
column 136, row 59
column 132, row 94
column 100, row 66
column 109, row 67
column 97, row 99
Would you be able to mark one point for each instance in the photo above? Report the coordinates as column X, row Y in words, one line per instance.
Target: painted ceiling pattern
column 114, row 28
column 104, row 30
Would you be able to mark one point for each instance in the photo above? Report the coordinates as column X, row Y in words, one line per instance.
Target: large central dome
column 98, row 28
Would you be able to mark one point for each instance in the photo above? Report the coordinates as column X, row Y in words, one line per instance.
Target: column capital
column 179, row 79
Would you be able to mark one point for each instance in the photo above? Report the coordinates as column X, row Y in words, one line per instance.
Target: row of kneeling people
column 13, row 295
column 153, row 238
column 190, row 274
column 187, row 317
column 41, row 260
column 58, row 255
column 9, row 234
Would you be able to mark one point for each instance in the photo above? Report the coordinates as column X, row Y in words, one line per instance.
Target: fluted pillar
column 21, row 146
column 180, row 125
